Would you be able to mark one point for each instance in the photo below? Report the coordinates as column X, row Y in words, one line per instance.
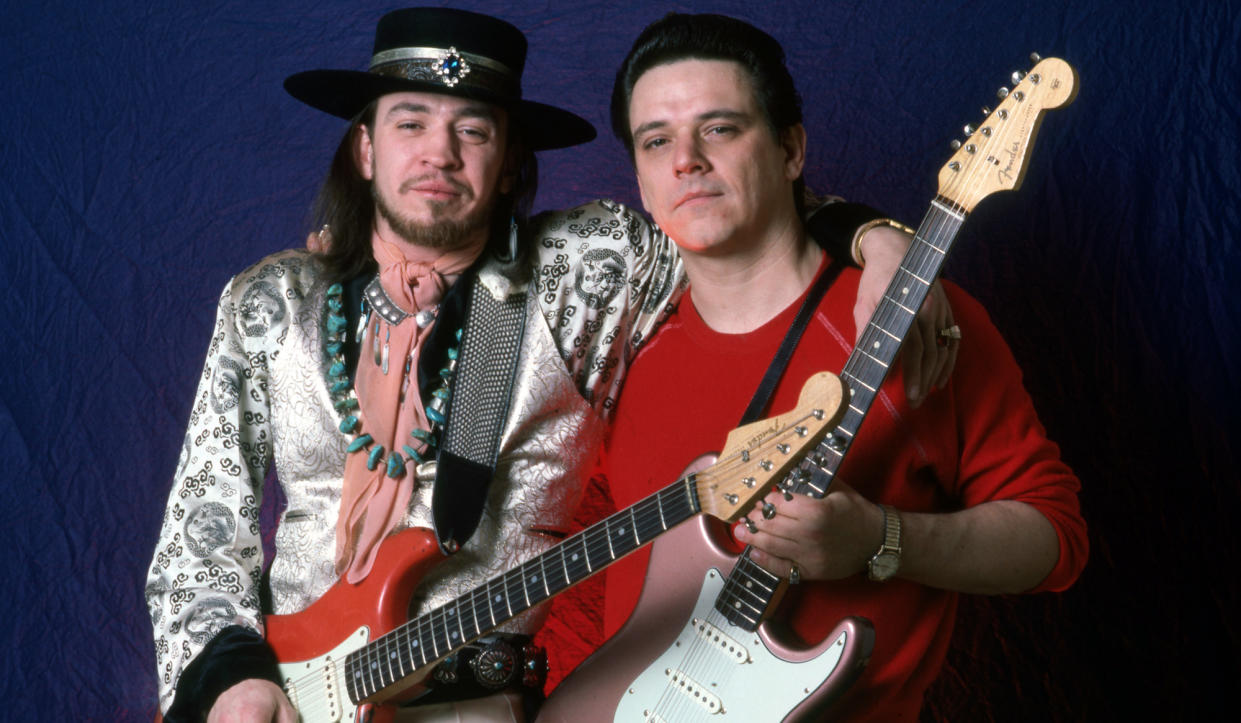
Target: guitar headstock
column 758, row 454
column 993, row 157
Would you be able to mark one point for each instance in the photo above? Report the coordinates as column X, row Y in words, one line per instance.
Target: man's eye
column 720, row 130
column 409, row 125
column 476, row 135
column 654, row 143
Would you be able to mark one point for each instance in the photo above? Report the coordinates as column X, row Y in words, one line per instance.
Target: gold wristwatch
column 887, row 560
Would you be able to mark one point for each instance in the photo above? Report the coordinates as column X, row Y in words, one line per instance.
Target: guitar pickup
column 694, row 690
column 721, row 641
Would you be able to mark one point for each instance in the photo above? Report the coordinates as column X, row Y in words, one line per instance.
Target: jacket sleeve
column 205, row 574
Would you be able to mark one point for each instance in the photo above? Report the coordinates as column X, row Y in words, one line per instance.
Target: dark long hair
column 679, row 36
column 345, row 205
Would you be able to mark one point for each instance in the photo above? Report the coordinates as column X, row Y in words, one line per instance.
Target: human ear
column 364, row 152
column 793, row 141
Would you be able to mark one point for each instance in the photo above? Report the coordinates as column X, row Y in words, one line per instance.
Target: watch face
column 884, row 566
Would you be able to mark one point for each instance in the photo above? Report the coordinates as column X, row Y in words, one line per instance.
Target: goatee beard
column 439, row 234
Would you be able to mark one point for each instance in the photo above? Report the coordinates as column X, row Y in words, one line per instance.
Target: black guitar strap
column 482, row 388
column 767, row 387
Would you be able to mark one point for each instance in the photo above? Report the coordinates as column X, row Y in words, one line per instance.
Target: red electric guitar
column 353, row 650
column 699, row 646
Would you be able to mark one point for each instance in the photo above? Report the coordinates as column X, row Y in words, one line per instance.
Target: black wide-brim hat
column 442, row 50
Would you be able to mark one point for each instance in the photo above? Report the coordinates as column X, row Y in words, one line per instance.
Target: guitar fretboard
column 428, row 638
column 749, row 589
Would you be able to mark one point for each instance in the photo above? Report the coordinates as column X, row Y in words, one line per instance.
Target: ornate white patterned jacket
column 598, row 279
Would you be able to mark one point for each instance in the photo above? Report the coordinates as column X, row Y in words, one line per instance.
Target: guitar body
column 353, row 650
column 311, row 645
column 763, row 677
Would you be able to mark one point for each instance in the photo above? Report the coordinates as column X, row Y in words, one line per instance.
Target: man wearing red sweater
column 961, row 493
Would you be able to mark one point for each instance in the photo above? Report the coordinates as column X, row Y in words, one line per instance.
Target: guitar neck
column 428, row 638
column 749, row 589
column 880, row 342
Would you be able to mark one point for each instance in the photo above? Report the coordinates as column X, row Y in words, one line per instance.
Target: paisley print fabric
column 597, row 278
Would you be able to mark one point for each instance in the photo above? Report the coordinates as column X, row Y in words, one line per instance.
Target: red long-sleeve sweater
column 976, row 440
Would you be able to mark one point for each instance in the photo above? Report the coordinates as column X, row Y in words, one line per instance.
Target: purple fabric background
column 149, row 152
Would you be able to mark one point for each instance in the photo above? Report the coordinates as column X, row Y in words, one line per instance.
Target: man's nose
column 689, row 156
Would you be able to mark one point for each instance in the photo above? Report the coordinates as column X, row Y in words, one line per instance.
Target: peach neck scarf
column 390, row 402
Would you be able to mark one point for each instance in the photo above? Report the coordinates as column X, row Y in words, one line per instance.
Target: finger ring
column 769, row 510
column 794, row 574
column 949, row 334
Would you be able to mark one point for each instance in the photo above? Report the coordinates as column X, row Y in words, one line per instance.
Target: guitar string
column 940, row 227
column 368, row 657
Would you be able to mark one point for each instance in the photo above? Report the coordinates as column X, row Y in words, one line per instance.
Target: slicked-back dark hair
column 345, row 204
column 678, row 37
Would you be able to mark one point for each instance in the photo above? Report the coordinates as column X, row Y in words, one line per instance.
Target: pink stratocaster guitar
column 352, row 651
column 699, row 645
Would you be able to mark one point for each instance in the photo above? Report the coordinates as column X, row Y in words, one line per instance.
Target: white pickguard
column 316, row 687
column 728, row 675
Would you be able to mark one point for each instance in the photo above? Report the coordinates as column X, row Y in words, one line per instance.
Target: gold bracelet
column 856, row 247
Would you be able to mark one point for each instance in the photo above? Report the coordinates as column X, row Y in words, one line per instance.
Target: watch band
column 891, row 530
column 887, row 560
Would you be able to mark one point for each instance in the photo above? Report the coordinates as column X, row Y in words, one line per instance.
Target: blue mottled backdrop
column 149, row 152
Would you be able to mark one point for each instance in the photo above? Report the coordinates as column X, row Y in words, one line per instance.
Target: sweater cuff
column 235, row 654
column 834, row 225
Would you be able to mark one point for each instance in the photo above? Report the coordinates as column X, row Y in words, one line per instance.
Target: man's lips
column 437, row 188
column 692, row 196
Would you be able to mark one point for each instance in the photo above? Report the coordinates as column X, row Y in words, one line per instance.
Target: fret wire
column 351, row 680
column 478, row 624
column 456, row 614
column 532, row 578
column 547, row 590
column 435, row 646
column 564, row 564
column 417, row 642
column 371, row 671
column 388, row 654
column 525, row 584
column 599, row 547
column 607, row 535
column 508, row 592
column 583, row 559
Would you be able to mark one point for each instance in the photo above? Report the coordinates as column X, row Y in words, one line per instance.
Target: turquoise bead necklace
column 345, row 398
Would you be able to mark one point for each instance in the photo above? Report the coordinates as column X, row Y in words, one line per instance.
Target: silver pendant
column 384, row 363
column 424, row 318
column 360, row 333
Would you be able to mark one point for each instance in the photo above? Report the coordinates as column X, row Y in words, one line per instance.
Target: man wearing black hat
column 441, row 342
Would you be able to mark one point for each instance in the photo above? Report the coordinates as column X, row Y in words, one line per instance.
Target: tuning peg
column 986, row 110
column 1035, row 57
column 1002, row 93
column 969, row 130
column 956, row 144
column 1017, row 76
